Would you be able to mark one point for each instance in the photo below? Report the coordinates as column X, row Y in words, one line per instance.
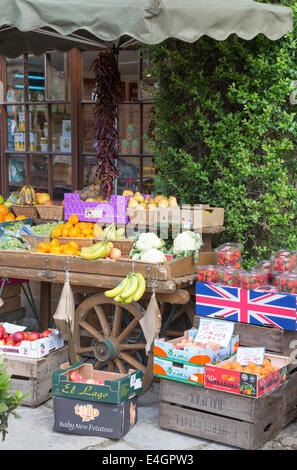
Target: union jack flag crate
column 246, row 306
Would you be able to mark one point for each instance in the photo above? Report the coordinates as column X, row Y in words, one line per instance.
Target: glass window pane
column 90, row 165
column 38, row 174
column 15, row 79
column 36, row 78
column 88, row 75
column 89, row 134
column 129, row 129
column 57, row 76
column 38, row 125
column 148, row 173
column 129, row 178
column 16, row 170
column 15, row 128
column 61, row 128
column 62, row 176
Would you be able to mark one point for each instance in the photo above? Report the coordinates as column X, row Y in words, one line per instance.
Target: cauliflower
column 187, row 243
column 153, row 256
column 146, row 241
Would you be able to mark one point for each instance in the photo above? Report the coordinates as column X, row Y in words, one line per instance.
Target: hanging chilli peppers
column 108, row 88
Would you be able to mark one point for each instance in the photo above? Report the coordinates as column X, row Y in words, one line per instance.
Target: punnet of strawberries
column 207, row 274
column 286, row 282
column 284, row 260
column 253, row 279
column 229, row 253
column 229, row 276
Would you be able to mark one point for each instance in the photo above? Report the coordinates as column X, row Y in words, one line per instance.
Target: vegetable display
column 187, row 244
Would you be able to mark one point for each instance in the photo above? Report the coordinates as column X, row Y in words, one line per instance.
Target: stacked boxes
column 97, row 403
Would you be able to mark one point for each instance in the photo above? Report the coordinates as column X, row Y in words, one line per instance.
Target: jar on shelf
column 45, row 129
column 43, row 144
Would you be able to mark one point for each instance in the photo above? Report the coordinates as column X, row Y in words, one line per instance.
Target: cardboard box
column 193, row 355
column 246, row 384
column 247, row 306
column 94, row 419
column 34, row 349
column 116, row 389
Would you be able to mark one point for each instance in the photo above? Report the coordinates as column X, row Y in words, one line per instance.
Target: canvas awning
column 35, row 26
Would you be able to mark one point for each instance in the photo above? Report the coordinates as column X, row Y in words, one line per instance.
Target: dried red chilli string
column 108, row 88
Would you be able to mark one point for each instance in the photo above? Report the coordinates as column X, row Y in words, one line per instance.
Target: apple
column 45, row 333
column 75, row 376
column 26, row 334
column 33, row 336
column 99, row 382
column 2, row 332
column 18, row 336
column 10, row 342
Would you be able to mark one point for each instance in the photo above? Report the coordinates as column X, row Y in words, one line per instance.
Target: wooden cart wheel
column 110, row 335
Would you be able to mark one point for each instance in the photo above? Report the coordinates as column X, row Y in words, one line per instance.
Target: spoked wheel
column 110, row 336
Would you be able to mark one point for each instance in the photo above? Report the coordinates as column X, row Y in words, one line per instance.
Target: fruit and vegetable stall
column 149, row 308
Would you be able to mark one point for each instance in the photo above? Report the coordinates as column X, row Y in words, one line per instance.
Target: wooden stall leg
column 45, row 304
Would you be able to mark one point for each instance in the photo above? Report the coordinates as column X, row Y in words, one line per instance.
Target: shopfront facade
column 47, row 128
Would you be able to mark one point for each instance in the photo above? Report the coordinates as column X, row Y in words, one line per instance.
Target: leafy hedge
column 226, row 134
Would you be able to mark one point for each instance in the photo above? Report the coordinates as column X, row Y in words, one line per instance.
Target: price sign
column 10, row 328
column 246, row 355
column 94, row 213
column 217, row 331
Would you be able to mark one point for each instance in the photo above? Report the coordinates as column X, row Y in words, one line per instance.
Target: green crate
column 117, row 388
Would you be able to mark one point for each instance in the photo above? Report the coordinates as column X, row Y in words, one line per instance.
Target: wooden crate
column 34, row 376
column 222, row 417
column 276, row 340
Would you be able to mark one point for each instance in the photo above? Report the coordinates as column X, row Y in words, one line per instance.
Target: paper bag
column 151, row 322
column 64, row 315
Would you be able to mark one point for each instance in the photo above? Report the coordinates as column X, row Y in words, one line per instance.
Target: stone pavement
column 34, row 432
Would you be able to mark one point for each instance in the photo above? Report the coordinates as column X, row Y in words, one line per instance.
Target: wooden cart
column 106, row 332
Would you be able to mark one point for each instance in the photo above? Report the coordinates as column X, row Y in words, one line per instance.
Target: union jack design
column 247, row 306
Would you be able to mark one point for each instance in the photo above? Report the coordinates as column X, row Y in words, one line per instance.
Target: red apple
column 2, row 332
column 10, row 342
column 26, row 334
column 75, row 376
column 45, row 333
column 33, row 336
column 18, row 336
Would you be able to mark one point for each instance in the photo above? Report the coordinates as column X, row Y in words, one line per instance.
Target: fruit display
column 130, row 289
column 253, row 279
column 138, row 201
column 55, row 248
column 207, row 274
column 229, row 253
column 112, row 233
column 252, row 367
column 284, row 260
column 100, row 250
column 44, row 230
column 27, row 196
column 229, row 276
column 16, row 338
column 190, row 343
column 286, row 282
column 42, row 198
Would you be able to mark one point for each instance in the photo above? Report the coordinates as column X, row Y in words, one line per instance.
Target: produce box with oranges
column 251, row 377
column 15, row 341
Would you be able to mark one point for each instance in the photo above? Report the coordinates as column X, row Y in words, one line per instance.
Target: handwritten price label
column 246, row 355
column 217, row 331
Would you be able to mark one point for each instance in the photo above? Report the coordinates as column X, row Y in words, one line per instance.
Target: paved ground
column 34, row 432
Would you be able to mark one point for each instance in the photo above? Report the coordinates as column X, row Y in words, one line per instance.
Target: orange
column 73, row 219
column 73, row 232
column 54, row 243
column 235, row 365
column 9, row 217
column 73, row 245
column 68, row 225
column 20, row 217
column 3, row 210
column 69, row 251
column 57, row 231
column 266, row 362
column 61, row 249
column 65, row 232
column 55, row 251
column 1, row 218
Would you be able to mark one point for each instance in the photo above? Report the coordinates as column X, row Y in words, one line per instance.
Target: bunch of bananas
column 27, row 195
column 130, row 289
column 96, row 251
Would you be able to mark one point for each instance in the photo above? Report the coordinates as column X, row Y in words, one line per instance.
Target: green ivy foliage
column 226, row 134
